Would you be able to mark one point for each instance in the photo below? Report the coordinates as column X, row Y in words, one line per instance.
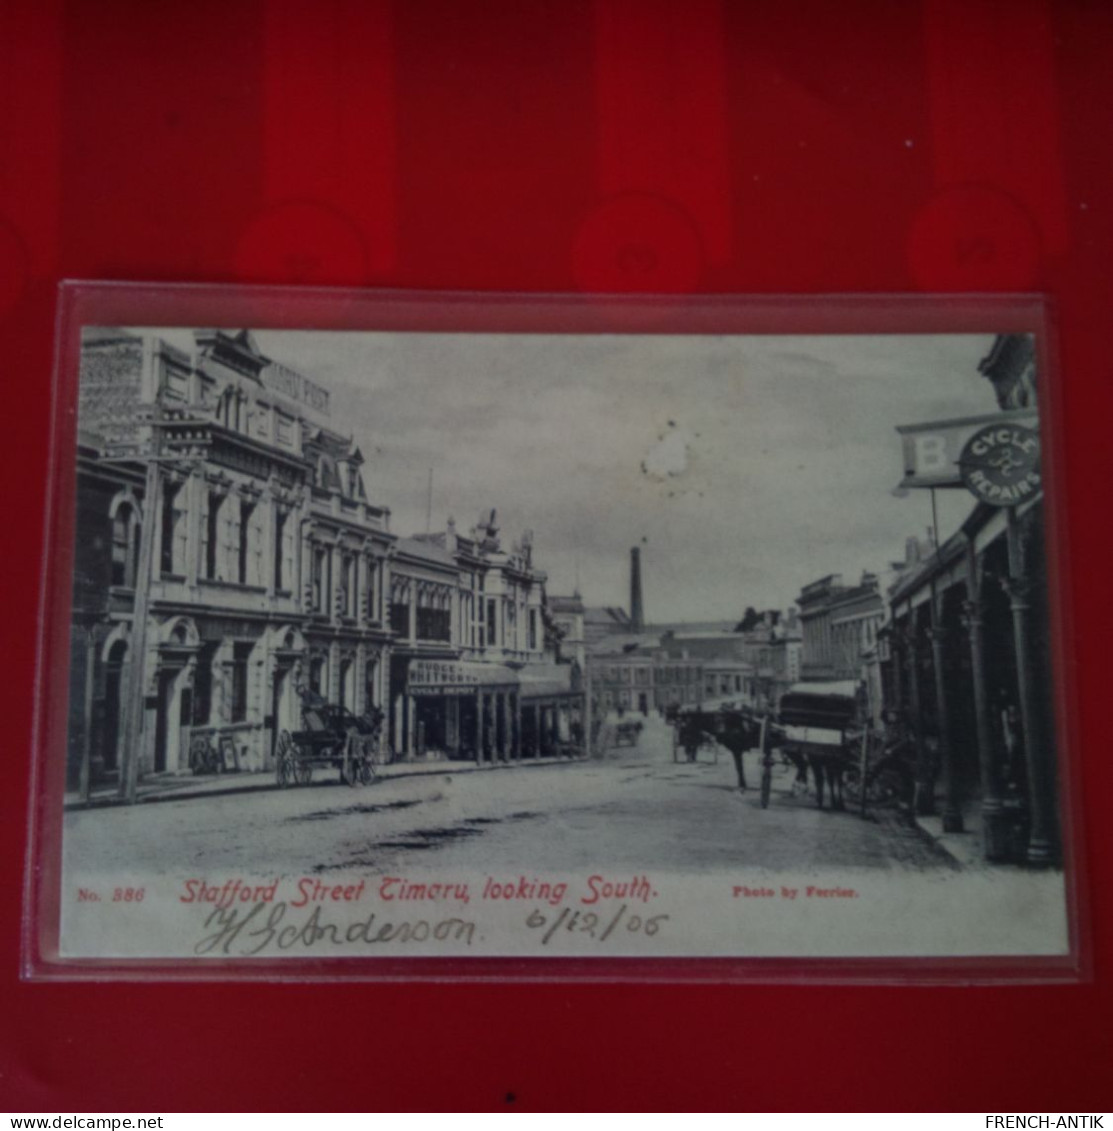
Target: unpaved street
column 635, row 809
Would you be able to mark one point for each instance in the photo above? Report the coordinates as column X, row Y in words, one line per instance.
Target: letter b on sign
column 931, row 455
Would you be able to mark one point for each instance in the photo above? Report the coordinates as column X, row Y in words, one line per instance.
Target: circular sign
column 1000, row 464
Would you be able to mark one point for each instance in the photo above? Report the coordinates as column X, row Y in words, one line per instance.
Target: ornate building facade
column 228, row 556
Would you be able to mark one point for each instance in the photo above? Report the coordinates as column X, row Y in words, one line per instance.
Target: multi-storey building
column 267, row 571
column 474, row 670
column 839, row 626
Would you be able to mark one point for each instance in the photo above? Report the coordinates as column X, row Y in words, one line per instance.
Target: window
column 533, row 630
column 203, row 685
column 261, row 421
column 319, row 580
column 400, row 618
column 279, row 548
column 212, row 546
column 317, row 674
column 434, row 616
column 125, row 546
column 372, row 595
column 345, row 678
column 171, row 529
column 241, row 654
column 345, row 586
column 247, row 510
column 175, row 384
column 492, row 621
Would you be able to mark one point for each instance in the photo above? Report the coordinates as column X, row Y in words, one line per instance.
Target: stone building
column 839, row 625
column 475, row 672
column 214, row 491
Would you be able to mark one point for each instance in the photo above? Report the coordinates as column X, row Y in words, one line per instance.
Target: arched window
column 125, row 546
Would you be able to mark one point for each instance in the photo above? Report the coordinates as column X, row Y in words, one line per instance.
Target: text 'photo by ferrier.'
column 473, row 626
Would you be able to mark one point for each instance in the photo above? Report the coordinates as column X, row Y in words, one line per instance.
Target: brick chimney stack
column 637, row 615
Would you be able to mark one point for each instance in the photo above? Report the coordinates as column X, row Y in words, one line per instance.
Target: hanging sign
column 1000, row 464
column 932, row 452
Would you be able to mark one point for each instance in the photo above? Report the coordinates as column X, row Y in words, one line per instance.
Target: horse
column 827, row 773
column 738, row 732
column 693, row 729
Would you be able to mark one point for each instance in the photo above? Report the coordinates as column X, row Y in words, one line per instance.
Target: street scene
column 640, row 809
column 378, row 604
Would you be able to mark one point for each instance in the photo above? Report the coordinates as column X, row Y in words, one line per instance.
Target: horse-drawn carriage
column 627, row 732
column 825, row 727
column 331, row 737
column 820, row 727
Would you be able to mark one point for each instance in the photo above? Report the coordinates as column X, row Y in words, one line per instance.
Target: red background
column 623, row 145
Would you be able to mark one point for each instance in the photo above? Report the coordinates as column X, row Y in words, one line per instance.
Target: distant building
column 634, row 673
column 568, row 618
column 839, row 625
column 600, row 623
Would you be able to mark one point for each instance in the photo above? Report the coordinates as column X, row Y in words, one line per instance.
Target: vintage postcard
column 478, row 645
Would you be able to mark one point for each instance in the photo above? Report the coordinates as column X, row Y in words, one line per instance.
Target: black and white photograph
column 577, row 645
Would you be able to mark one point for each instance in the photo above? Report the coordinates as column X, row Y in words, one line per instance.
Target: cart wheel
column 303, row 772
column 284, row 759
column 366, row 771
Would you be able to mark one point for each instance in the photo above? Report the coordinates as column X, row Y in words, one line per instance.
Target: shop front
column 552, row 710
column 456, row 709
column 968, row 685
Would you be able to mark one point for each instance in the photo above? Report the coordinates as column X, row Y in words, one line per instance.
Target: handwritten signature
column 265, row 927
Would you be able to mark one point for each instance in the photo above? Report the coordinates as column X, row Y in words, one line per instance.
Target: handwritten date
column 598, row 927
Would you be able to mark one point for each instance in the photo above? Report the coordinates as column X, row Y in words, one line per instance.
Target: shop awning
column 847, row 688
column 456, row 677
column 546, row 681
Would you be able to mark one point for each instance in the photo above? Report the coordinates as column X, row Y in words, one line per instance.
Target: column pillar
column 87, row 710
column 924, row 801
column 1041, row 843
column 952, row 815
column 194, row 489
column 993, row 822
column 503, row 725
column 383, row 590
column 479, row 728
column 516, row 725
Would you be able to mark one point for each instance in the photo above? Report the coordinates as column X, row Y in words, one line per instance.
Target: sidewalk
column 966, row 848
column 173, row 787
